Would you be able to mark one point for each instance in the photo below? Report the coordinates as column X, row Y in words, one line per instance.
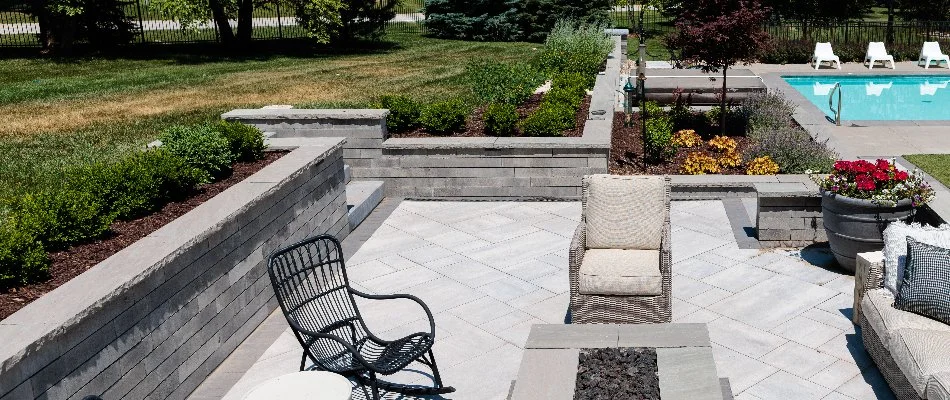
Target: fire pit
column 638, row 362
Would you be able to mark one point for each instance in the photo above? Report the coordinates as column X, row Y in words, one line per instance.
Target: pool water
column 880, row 97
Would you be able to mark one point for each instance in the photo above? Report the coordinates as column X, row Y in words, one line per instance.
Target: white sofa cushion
column 624, row 212
column 895, row 247
column 920, row 354
column 939, row 386
column 620, row 272
column 878, row 307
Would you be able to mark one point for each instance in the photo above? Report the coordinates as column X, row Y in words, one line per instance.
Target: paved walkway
column 489, row 270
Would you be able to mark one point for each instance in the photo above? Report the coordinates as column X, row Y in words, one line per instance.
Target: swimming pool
column 880, row 97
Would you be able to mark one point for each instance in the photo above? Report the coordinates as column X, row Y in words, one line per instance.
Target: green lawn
column 937, row 165
column 60, row 113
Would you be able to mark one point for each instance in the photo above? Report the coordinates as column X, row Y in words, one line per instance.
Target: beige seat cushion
column 939, row 386
column 620, row 272
column 878, row 308
column 624, row 212
column 920, row 354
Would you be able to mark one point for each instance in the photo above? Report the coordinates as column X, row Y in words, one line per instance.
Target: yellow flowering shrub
column 697, row 163
column 731, row 159
column 723, row 144
column 687, row 138
column 761, row 166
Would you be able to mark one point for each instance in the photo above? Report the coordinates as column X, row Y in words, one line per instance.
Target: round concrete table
column 304, row 385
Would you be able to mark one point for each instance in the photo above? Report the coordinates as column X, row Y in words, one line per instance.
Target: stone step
column 361, row 198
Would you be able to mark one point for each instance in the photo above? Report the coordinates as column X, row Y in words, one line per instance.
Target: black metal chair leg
column 303, row 361
column 435, row 370
column 372, row 377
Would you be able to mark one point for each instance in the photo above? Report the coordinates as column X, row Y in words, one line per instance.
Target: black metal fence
column 271, row 21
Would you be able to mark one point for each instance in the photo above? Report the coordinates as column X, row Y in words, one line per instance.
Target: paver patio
column 780, row 325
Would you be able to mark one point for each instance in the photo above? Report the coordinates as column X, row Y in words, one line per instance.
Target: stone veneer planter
column 482, row 167
column 156, row 318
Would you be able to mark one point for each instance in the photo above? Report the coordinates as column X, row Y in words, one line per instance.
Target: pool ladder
column 831, row 96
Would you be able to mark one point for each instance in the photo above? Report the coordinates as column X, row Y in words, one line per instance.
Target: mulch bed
column 69, row 263
column 628, row 373
column 626, row 152
column 475, row 127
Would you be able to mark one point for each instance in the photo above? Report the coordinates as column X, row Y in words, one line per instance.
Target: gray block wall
column 155, row 319
column 789, row 215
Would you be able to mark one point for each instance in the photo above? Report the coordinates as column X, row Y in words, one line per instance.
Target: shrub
column 507, row 20
column 364, row 19
column 403, row 113
column 202, row 147
column 61, row 218
column 245, row 141
column 766, row 112
column 139, row 184
column 793, row 150
column 686, row 138
column 496, row 82
column 22, row 258
column 723, row 144
column 574, row 48
column 762, row 166
column 444, row 117
column 698, row 163
column 731, row 159
column 658, row 142
column 735, row 121
column 550, row 119
column 683, row 116
column 500, row 119
column 567, row 88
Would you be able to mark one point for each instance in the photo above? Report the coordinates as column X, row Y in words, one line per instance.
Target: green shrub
column 202, row 147
column 550, row 119
column 793, row 150
column 684, row 117
column 574, row 48
column 245, row 141
column 765, row 112
column 658, row 142
column 22, row 257
column 567, row 88
column 62, row 218
column 500, row 119
column 735, row 121
column 444, row 117
column 497, row 82
column 507, row 20
column 403, row 112
column 139, row 184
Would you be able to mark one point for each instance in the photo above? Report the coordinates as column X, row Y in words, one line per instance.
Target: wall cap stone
column 305, row 114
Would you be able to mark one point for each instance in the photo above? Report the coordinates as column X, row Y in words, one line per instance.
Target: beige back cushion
column 624, row 212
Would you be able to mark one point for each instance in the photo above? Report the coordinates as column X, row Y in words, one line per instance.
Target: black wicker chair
column 311, row 285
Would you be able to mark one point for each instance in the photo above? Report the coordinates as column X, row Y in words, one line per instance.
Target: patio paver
column 772, row 316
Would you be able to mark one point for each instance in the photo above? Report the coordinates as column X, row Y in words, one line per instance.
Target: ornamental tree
column 717, row 34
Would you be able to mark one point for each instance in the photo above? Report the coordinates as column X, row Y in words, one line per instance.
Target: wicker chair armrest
column 308, row 338
column 576, row 255
column 666, row 255
column 399, row 296
column 868, row 275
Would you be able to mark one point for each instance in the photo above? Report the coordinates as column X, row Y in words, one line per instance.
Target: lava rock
column 628, row 373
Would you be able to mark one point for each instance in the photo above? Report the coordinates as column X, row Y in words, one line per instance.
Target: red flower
column 862, row 166
column 880, row 175
column 883, row 164
column 842, row 166
column 900, row 175
column 864, row 182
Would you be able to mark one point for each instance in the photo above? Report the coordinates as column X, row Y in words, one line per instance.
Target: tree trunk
column 722, row 104
column 245, row 21
column 890, row 23
column 221, row 20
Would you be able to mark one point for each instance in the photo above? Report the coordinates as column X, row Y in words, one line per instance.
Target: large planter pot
column 856, row 226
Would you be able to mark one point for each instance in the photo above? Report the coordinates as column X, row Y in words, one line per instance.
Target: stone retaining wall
column 156, row 318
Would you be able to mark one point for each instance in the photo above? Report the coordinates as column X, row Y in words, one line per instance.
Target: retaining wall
column 156, row 318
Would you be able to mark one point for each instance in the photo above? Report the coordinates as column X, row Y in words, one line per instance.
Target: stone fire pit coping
column 685, row 361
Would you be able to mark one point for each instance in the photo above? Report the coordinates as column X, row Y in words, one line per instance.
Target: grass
column 59, row 113
column 937, row 165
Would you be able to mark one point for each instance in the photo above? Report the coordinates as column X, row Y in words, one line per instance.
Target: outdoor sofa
column 911, row 351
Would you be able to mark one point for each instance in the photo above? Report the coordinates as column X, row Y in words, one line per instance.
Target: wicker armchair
column 620, row 262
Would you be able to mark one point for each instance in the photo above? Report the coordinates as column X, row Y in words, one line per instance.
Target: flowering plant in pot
column 859, row 199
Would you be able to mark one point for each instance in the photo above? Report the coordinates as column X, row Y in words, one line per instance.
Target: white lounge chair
column 875, row 89
column 823, row 53
column 877, row 53
column 822, row 89
column 930, row 53
column 930, row 89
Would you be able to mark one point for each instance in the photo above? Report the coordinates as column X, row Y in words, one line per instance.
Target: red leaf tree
column 717, row 34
